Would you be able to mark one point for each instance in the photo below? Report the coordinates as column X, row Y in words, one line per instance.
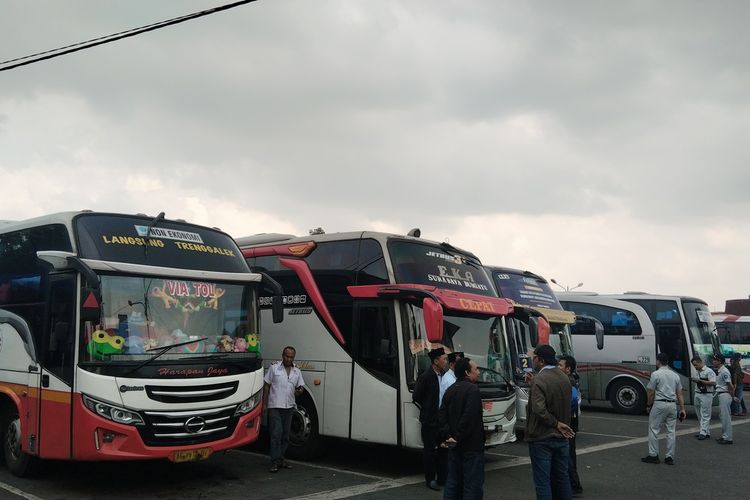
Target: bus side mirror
column 539, row 330
column 277, row 308
column 588, row 325
column 433, row 320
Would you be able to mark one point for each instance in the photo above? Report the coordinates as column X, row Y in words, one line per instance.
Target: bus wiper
column 163, row 350
column 147, row 239
column 508, row 382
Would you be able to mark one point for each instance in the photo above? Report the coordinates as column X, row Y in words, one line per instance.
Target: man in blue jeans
column 548, row 426
column 283, row 381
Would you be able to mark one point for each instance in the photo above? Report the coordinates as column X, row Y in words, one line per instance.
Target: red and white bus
column 363, row 309
column 734, row 333
column 125, row 337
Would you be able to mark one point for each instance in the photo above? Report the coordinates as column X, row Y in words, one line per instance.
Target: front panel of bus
column 482, row 338
column 157, row 359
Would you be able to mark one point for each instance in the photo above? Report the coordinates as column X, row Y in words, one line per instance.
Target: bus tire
column 627, row 396
column 305, row 442
column 19, row 462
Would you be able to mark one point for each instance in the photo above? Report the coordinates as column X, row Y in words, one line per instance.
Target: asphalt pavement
column 610, row 447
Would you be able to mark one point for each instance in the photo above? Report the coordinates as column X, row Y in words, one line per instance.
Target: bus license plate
column 191, row 455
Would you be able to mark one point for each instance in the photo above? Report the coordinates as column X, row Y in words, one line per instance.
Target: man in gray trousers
column 725, row 395
column 664, row 390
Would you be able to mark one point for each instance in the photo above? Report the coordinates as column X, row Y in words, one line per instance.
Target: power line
column 75, row 47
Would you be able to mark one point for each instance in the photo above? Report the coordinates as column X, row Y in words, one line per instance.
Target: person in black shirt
column 426, row 395
column 462, row 428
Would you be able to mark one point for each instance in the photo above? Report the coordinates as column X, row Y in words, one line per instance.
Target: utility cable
column 75, row 47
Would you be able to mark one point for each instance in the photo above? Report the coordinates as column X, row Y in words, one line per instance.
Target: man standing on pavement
column 738, row 380
column 283, row 381
column 548, row 426
column 704, row 395
column 449, row 377
column 567, row 364
column 725, row 393
column 462, row 427
column 426, row 395
column 663, row 391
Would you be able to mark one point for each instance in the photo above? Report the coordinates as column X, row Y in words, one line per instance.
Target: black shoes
column 651, row 460
column 702, row 437
column 724, row 441
column 433, row 485
column 274, row 468
column 669, row 461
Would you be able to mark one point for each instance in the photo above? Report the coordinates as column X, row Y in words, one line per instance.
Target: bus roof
column 628, row 295
column 66, row 219
column 268, row 239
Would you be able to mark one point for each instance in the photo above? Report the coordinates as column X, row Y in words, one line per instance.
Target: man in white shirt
column 283, row 381
column 705, row 384
column 725, row 393
column 663, row 391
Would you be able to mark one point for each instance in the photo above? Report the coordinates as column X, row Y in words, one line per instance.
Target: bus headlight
column 113, row 413
column 247, row 405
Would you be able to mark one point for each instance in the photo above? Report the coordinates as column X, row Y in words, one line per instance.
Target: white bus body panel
column 374, row 409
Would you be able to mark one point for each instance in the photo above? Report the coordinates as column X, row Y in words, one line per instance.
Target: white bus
column 125, row 337
column 617, row 365
column 528, row 290
column 363, row 309
column 734, row 334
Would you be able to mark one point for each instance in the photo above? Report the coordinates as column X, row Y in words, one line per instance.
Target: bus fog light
column 108, row 437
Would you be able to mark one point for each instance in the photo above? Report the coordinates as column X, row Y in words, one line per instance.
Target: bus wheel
column 304, row 440
column 18, row 461
column 628, row 396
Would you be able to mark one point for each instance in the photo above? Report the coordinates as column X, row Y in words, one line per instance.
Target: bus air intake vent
column 191, row 393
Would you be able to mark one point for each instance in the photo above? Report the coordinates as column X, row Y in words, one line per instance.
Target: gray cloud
column 339, row 110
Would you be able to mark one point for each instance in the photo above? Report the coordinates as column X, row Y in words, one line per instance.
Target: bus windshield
column 141, row 315
column 702, row 328
column 479, row 338
column 440, row 266
column 527, row 289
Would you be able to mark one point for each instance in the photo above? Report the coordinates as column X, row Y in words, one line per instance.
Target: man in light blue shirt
column 449, row 377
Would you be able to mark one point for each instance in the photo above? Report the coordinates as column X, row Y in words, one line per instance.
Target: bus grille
column 176, row 428
column 192, row 393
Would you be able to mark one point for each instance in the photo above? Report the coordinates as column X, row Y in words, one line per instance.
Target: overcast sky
column 595, row 142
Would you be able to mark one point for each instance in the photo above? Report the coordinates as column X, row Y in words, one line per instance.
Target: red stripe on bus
column 302, row 270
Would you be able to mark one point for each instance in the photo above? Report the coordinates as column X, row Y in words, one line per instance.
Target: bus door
column 375, row 410
column 670, row 339
column 56, row 375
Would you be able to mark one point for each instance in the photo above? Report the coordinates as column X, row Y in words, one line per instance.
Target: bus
column 126, row 337
column 734, row 333
column 363, row 309
column 616, row 364
column 530, row 291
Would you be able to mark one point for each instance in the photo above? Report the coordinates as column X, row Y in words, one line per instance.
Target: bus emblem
column 194, row 425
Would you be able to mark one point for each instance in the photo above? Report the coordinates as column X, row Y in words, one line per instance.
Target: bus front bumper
column 97, row 438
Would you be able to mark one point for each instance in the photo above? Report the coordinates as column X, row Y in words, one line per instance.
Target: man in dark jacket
column 426, row 395
column 461, row 426
column 548, row 426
